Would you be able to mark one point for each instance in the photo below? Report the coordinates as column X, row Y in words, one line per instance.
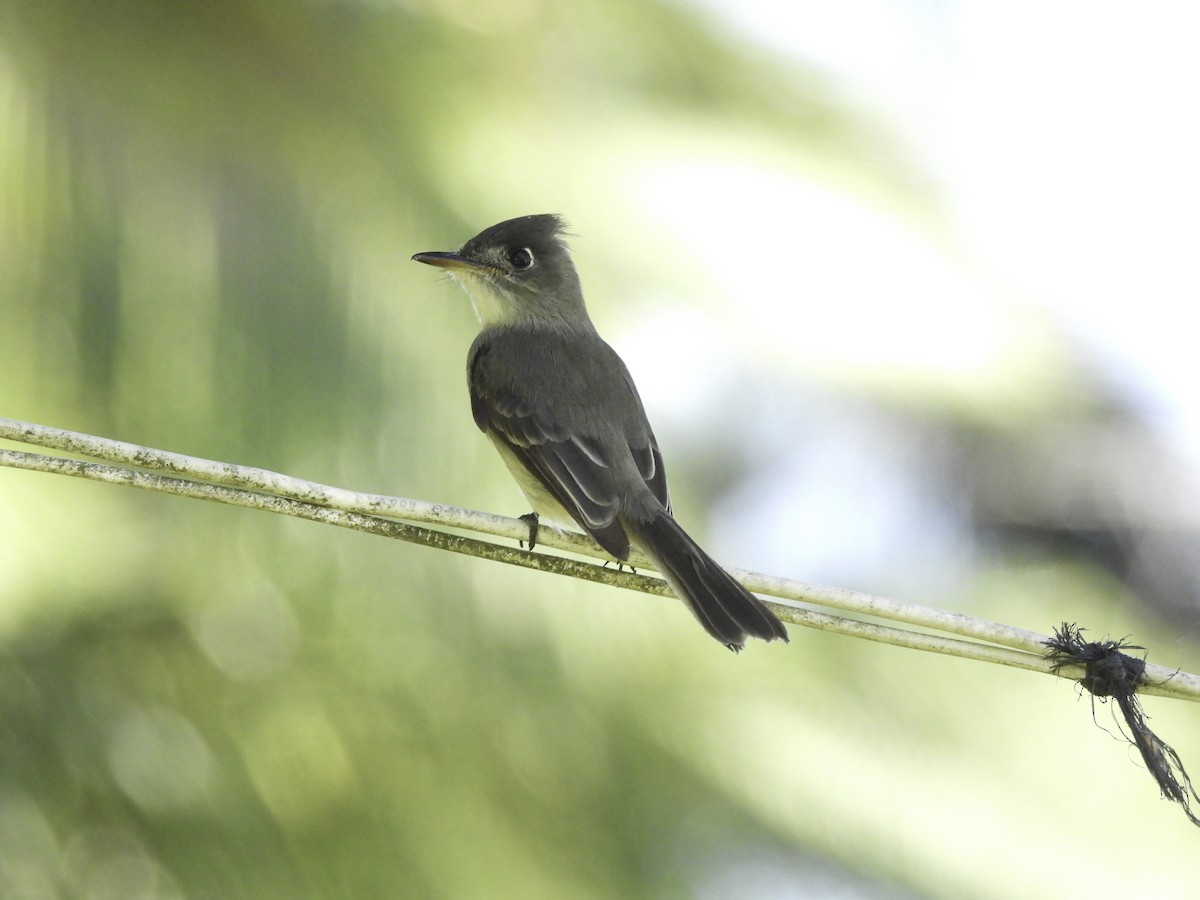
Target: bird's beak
column 447, row 261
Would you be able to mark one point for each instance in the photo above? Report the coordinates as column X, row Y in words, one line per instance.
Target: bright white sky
column 1066, row 138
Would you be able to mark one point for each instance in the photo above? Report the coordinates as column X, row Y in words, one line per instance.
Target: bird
column 561, row 408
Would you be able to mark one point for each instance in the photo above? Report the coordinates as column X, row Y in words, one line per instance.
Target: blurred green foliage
column 206, row 214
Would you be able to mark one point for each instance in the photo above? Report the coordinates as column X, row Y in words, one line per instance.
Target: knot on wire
column 1107, row 670
column 1110, row 672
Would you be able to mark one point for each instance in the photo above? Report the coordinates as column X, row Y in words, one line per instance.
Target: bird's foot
column 530, row 519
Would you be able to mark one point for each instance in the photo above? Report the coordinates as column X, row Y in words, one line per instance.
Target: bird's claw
column 530, row 519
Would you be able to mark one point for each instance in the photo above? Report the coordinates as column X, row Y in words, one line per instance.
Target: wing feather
column 575, row 468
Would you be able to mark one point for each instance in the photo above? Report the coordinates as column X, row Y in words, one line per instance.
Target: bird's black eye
column 521, row 258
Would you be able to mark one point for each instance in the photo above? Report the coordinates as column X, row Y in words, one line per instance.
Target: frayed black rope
column 1108, row 672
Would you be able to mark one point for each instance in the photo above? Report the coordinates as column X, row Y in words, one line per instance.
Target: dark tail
column 727, row 610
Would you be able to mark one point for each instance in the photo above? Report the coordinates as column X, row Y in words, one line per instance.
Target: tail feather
column 727, row 610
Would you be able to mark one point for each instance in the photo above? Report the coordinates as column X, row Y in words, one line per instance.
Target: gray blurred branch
column 377, row 514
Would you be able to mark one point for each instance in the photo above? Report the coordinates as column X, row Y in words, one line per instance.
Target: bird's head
column 518, row 271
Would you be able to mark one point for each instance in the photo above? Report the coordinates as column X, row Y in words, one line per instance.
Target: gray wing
column 574, row 468
column 647, row 456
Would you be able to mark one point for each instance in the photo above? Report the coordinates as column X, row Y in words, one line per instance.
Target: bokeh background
column 909, row 288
